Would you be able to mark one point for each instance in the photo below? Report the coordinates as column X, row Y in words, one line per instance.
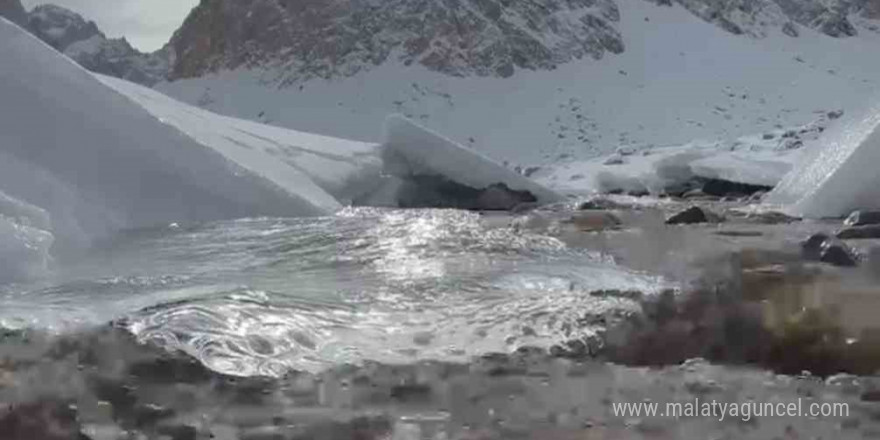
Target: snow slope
column 838, row 176
column 679, row 79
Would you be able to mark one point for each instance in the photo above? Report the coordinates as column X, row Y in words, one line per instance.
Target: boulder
column 838, row 254
column 811, row 248
column 692, row 215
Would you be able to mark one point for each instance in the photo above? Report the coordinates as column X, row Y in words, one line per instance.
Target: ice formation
column 839, row 175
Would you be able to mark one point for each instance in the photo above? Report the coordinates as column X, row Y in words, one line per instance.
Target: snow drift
column 839, row 176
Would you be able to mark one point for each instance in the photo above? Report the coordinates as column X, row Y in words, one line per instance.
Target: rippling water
column 262, row 296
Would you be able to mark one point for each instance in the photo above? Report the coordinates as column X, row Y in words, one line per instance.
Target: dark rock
column 790, row 29
column 811, row 248
column 861, row 218
column 834, row 114
column 837, row 254
column 859, row 232
column 411, row 392
column 768, row 136
column 427, row 191
column 693, row 215
column 721, row 188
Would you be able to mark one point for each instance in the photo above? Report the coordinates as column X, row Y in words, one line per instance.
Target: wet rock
column 859, row 232
column 822, row 247
column 425, row 191
column 862, row 218
column 811, row 248
column 837, row 254
column 594, row 220
column 693, row 215
column 722, row 188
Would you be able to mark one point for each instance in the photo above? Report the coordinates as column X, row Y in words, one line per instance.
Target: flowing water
column 265, row 296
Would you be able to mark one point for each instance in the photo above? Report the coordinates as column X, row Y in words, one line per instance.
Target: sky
column 147, row 24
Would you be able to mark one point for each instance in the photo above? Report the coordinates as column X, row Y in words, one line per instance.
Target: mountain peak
column 325, row 39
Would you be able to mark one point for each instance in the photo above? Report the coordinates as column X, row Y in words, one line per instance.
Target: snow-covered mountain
column 82, row 41
column 669, row 73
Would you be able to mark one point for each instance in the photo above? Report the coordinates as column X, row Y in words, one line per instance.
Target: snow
column 839, row 175
column 750, row 159
column 423, row 152
column 679, row 79
column 95, row 162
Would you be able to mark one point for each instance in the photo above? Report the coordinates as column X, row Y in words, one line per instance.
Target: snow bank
column 838, row 176
column 414, row 151
column 95, row 162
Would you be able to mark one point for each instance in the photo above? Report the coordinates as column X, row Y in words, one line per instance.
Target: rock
column 811, row 248
column 834, row 114
column 722, row 188
column 859, row 232
column 500, row 197
column 692, row 215
column 594, row 220
column 861, row 218
column 790, row 29
column 837, row 254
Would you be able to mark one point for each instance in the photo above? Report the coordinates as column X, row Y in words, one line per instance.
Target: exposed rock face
column 317, row 38
column 752, row 17
column 871, row 9
column 13, row 11
column 82, row 41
